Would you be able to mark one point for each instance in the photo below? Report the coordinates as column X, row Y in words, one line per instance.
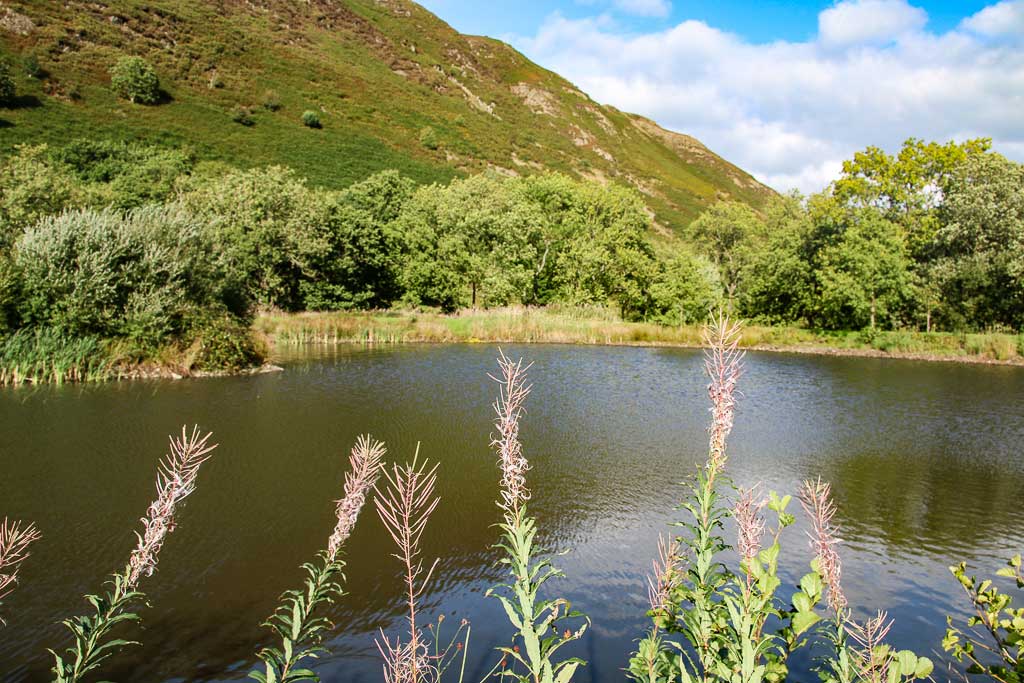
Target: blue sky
column 786, row 90
column 763, row 21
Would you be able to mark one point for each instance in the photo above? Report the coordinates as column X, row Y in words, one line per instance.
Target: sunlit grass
column 573, row 325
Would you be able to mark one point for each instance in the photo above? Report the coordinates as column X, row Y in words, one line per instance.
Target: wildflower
column 665, row 576
column 723, row 362
column 872, row 658
column 405, row 507
column 816, row 500
column 366, row 464
column 509, row 407
column 14, row 543
column 750, row 524
column 175, row 481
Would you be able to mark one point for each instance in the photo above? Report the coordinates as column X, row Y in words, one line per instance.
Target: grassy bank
column 560, row 325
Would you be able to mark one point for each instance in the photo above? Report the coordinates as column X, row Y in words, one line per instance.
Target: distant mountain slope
column 395, row 87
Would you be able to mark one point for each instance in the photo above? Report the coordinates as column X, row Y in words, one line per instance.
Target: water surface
column 925, row 459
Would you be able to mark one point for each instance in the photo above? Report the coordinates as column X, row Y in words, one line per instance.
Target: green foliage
column 467, row 244
column 864, row 276
column 7, row 90
column 48, row 355
column 121, row 174
column 31, row 66
column 31, row 187
column 685, row 290
column 537, row 622
column 993, row 642
column 300, row 631
column 980, row 246
column 135, row 79
column 102, row 273
column 220, row 341
column 729, row 233
column 310, row 119
column 93, row 644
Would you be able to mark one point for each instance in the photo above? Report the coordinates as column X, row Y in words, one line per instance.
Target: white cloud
column 790, row 112
column 1004, row 18
column 868, row 21
column 645, row 8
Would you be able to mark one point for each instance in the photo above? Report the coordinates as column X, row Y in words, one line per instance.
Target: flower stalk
column 176, row 480
column 295, row 620
column 14, row 542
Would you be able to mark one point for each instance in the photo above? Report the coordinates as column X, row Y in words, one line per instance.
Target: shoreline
column 520, row 325
column 760, row 348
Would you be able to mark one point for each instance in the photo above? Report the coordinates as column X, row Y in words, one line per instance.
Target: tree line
column 154, row 249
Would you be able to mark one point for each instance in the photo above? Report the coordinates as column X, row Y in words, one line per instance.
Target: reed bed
column 596, row 326
column 45, row 355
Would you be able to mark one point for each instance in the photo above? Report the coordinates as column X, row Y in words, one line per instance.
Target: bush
column 32, row 186
column 124, row 175
column 134, row 79
column 242, row 115
column 220, row 341
column 311, row 119
column 6, row 83
column 136, row 276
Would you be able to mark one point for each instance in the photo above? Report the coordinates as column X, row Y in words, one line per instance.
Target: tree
column 469, row 243
column 865, row 275
column 685, row 289
column 32, row 186
column 607, row 256
column 728, row 233
column 135, row 79
column 264, row 221
column 980, row 247
column 907, row 187
column 779, row 278
column 357, row 265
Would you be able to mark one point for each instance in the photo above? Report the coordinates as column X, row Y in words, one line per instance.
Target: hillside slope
column 395, row 87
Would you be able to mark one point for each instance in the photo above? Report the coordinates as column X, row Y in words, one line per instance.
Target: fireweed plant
column 300, row 631
column 404, row 505
column 175, row 481
column 711, row 623
column 14, row 542
column 539, row 623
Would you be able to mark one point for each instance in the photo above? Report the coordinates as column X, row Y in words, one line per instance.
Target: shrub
column 242, row 115
column 6, row 83
column 32, row 186
column 135, row 276
column 220, row 341
column 134, row 79
column 124, row 175
column 311, row 119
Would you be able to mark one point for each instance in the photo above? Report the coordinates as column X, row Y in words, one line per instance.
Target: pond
column 925, row 460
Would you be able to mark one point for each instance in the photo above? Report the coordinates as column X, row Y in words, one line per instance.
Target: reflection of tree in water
column 932, row 503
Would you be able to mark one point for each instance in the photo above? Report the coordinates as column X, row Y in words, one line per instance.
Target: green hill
column 394, row 86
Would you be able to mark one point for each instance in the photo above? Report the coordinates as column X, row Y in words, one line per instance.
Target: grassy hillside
column 394, row 85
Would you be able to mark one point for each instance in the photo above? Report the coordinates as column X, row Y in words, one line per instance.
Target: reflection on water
column 921, row 455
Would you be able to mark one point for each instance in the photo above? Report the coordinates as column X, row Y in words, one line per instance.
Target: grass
column 375, row 76
column 567, row 325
